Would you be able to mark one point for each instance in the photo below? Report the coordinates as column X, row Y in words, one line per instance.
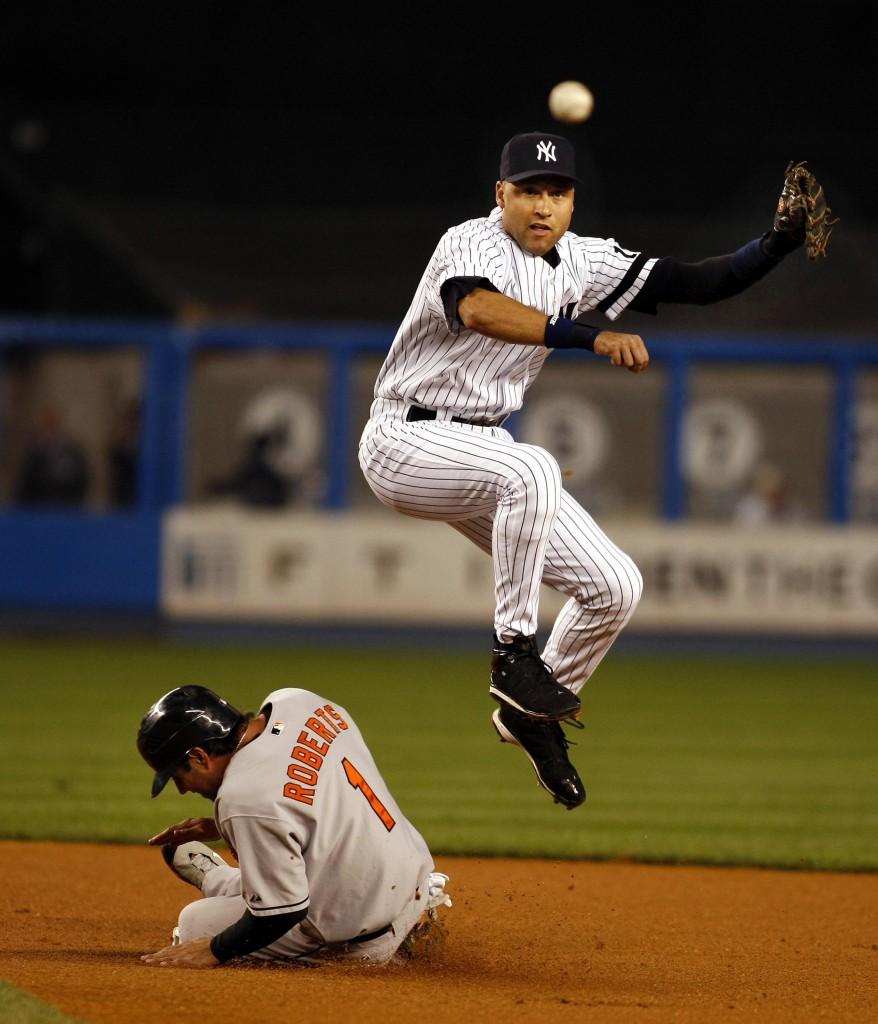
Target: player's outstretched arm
column 801, row 218
column 245, row 936
column 203, row 829
column 497, row 316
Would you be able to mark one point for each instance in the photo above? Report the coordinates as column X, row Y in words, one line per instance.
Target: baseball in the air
column 571, row 102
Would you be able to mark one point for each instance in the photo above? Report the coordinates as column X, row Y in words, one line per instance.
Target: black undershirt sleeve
column 708, row 281
column 457, row 288
column 250, row 933
column 670, row 280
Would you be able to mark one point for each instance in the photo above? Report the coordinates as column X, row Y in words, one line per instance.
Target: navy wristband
column 563, row 333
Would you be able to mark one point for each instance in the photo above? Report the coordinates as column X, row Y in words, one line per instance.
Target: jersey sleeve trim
column 626, row 298
column 454, row 289
column 623, row 286
column 283, row 908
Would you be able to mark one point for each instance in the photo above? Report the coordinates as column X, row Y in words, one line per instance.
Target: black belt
column 415, row 413
column 372, row 935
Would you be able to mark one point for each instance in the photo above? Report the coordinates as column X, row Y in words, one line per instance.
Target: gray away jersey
column 439, row 365
column 313, row 824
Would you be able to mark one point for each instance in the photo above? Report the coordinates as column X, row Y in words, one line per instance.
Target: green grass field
column 707, row 760
column 22, row 1008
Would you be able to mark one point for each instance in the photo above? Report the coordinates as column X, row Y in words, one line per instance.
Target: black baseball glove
column 802, row 216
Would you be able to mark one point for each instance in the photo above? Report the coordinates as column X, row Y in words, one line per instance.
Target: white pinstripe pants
column 507, row 498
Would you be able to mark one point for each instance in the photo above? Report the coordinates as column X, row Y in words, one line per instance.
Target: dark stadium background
column 265, row 160
column 174, row 176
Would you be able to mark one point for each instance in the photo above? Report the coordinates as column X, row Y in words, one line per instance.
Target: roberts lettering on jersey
column 315, row 739
column 304, row 805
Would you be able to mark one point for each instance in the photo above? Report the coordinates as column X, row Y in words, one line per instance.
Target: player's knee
column 192, row 922
column 617, row 595
column 626, row 592
column 537, row 474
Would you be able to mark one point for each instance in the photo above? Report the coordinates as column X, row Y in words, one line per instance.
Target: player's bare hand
column 626, row 350
column 202, row 829
column 189, row 954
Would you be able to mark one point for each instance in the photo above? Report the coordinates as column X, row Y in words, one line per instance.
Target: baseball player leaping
column 329, row 866
column 499, row 293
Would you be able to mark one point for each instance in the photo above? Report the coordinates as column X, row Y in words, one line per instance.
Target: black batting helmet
column 182, row 719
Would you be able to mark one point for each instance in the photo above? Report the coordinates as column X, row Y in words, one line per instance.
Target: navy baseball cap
column 537, row 155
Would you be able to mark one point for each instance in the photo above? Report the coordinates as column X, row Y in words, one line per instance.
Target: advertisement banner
column 381, row 568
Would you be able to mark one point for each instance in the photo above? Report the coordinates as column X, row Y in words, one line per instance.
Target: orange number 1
column 358, row 782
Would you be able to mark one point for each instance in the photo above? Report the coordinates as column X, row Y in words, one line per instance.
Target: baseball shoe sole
column 192, row 862
column 558, row 709
column 546, row 747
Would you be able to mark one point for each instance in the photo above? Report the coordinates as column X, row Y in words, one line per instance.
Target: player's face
column 200, row 773
column 536, row 212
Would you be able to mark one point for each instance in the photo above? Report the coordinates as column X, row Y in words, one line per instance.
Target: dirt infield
column 526, row 941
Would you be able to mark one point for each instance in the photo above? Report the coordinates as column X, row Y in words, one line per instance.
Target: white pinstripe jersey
column 438, row 365
column 313, row 824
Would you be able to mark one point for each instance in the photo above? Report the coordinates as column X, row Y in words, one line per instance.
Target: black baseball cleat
column 523, row 681
column 546, row 746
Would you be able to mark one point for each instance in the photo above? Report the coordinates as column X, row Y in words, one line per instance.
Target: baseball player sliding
column 329, row 866
column 499, row 293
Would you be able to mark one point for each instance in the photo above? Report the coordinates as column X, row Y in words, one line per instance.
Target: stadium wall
column 661, row 460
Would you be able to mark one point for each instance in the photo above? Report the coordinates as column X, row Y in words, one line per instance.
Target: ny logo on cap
column 546, row 151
